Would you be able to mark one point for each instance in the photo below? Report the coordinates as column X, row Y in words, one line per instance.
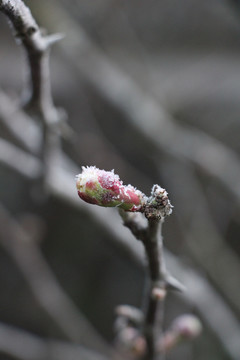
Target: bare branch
column 39, row 96
column 37, row 48
column 150, row 235
column 61, row 185
column 140, row 109
column 22, row 345
column 44, row 285
column 20, row 127
column 17, row 159
column 203, row 240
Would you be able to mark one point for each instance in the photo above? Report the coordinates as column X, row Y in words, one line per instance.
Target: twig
column 203, row 239
column 37, row 48
column 154, row 316
column 39, row 97
column 45, row 287
column 61, row 185
column 141, row 110
column 23, row 163
column 21, row 345
column 21, row 129
column 150, row 235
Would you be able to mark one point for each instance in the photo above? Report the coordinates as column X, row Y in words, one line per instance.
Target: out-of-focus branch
column 203, row 240
column 37, row 48
column 20, row 128
column 19, row 160
column 22, row 345
column 61, row 185
column 141, row 110
column 44, row 285
column 39, row 97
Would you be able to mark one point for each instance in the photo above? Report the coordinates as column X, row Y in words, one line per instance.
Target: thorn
column 52, row 39
column 173, row 284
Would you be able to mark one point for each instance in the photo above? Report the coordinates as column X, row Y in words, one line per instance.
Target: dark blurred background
column 151, row 89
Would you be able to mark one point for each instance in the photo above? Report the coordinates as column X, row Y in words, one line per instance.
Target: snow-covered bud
column 104, row 188
column 158, row 204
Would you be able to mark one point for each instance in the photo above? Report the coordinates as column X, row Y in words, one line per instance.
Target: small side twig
column 22, row 345
column 44, row 286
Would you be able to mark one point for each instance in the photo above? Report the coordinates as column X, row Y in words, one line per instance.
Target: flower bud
column 104, row 188
column 187, row 326
column 184, row 328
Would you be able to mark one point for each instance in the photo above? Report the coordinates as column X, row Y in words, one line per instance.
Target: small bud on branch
column 104, row 188
column 185, row 327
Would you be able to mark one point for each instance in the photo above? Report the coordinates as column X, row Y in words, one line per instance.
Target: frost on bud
column 104, row 188
column 158, row 205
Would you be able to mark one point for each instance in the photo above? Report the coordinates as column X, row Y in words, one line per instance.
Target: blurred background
column 150, row 89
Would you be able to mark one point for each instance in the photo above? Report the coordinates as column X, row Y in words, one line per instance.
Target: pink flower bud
column 184, row 328
column 104, row 188
column 187, row 326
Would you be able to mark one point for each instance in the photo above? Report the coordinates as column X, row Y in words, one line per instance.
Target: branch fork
column 138, row 333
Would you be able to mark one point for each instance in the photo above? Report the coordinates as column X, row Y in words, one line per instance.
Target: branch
column 20, row 161
column 154, row 315
column 37, row 48
column 61, row 186
column 21, row 345
column 203, row 239
column 151, row 238
column 44, row 286
column 39, row 97
column 141, row 110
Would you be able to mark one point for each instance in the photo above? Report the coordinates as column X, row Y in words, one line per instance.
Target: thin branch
column 150, row 235
column 20, row 128
column 203, row 239
column 37, row 48
column 21, row 345
column 44, row 285
column 39, row 96
column 20, row 161
column 61, row 185
column 154, row 316
column 140, row 109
